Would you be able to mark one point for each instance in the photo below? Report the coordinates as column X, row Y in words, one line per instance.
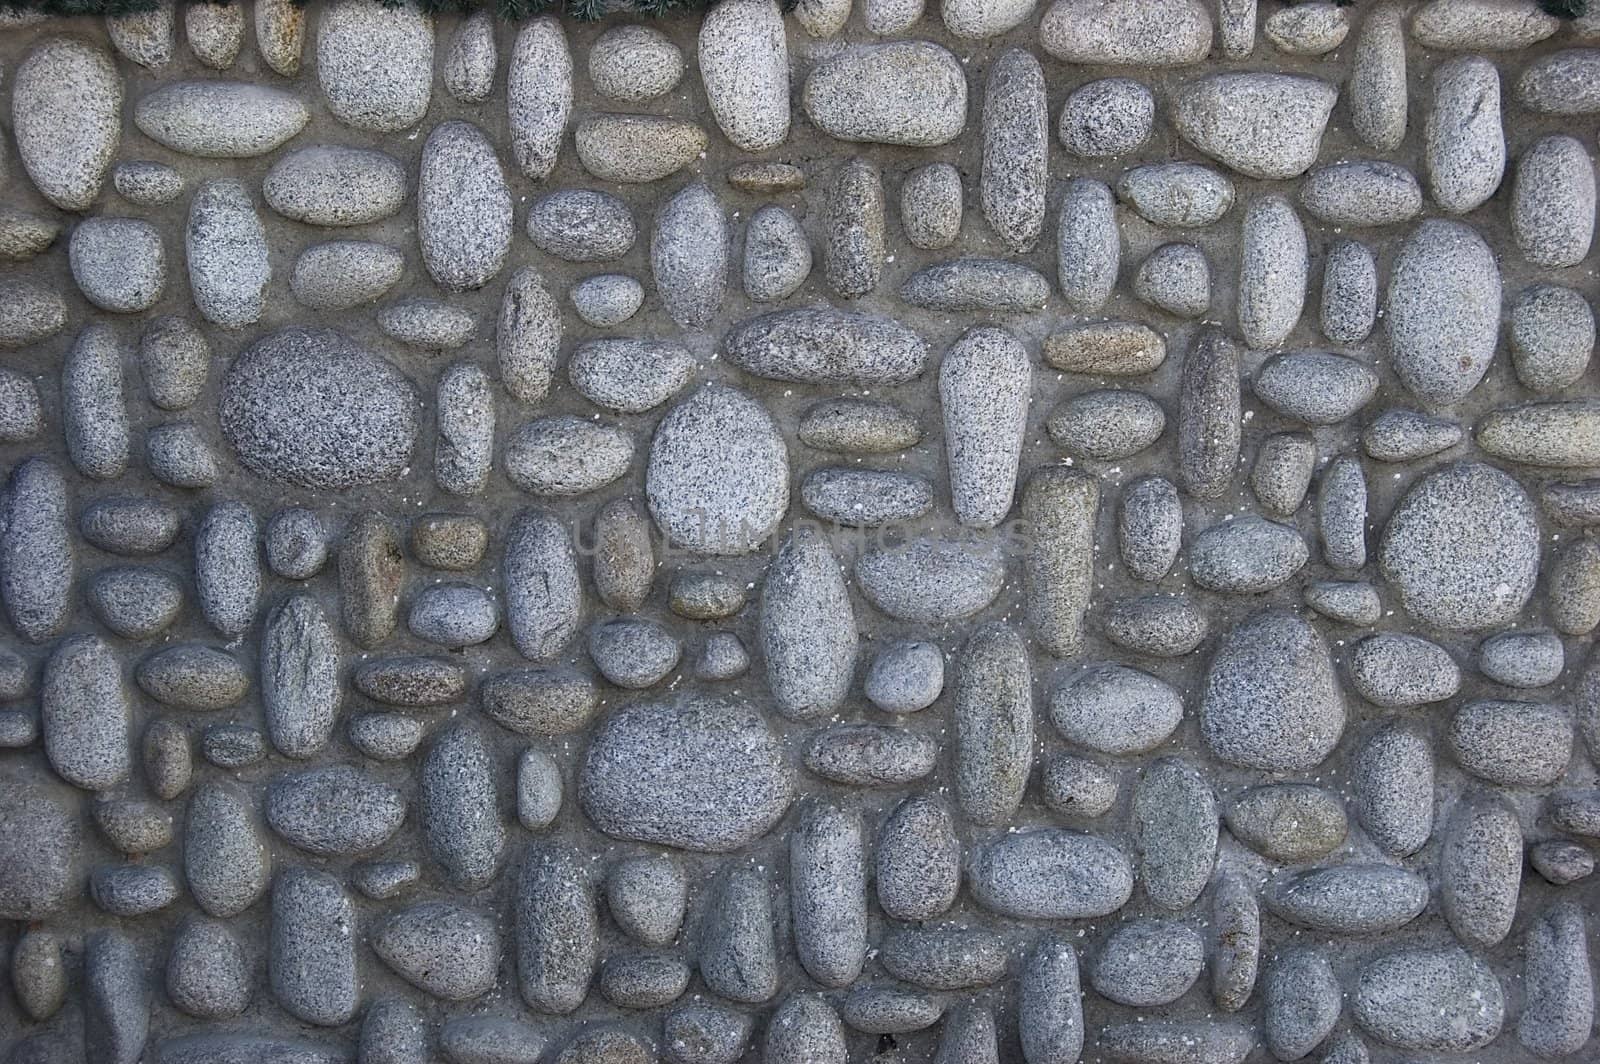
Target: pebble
column 804, row 1030
column 385, row 736
column 566, row 455
column 464, row 450
column 1561, row 862
column 94, row 412
column 1164, row 626
column 145, row 36
column 634, row 64
column 1347, row 601
column 702, row 1033
column 1049, row 1005
column 984, row 384
column 490, row 1040
column 85, row 714
column 125, row 524
column 36, row 554
column 907, row 93
column 226, row 861
column 392, row 1033
column 630, row 376
column 930, row 206
column 226, row 249
column 1480, row 870
column 828, row 894
column 642, row 980
column 870, row 755
column 342, row 274
column 1249, row 555
column 1552, row 202
column 29, row 313
column 1361, row 193
column 1481, row 25
column 331, row 185
column 1560, row 434
column 1077, row 787
column 1531, row 658
column 866, row 498
column 853, row 249
column 766, row 178
column 1406, row 435
column 1342, row 514
column 130, row 891
column 632, row 652
column 636, row 149
column 635, row 785
column 116, row 996
column 738, row 955
column 1396, row 670
column 1059, row 507
column 1307, row 29
column 463, row 207
column 166, row 758
column 528, row 336
column 1236, row 928
column 689, row 251
column 40, row 846
column 333, row 810
column 1349, row 293
column 382, row 880
column 1209, row 416
column 717, row 477
column 1147, row 962
column 917, row 870
column 1289, row 822
column 1447, row 572
column 777, row 255
column 215, row 119
column 1577, row 812
column 313, row 957
column 179, row 456
column 233, row 746
column 1272, row 701
column 889, row 1010
column 1440, row 1000
column 445, row 950
column 119, row 264
column 1552, row 336
column 1263, row 125
column 459, row 809
column 539, row 701
column 905, row 677
column 646, row 896
column 944, row 960
column 426, row 323
column 193, row 677
column 1107, row 118
column 66, row 115
column 1049, row 874
column 1175, row 823
column 1301, row 1003
column 1149, row 527
column 858, row 426
column 1464, row 150
column 993, row 708
column 744, row 67
column 1284, row 465
column 582, row 225
column 411, row 681
column 208, row 976
column 470, row 61
column 1016, row 138
column 607, row 300
column 375, row 64
column 1272, row 272
column 1115, row 710
column 1561, row 83
column 1349, row 899
column 1573, row 584
column 624, row 558
column 148, row 184
column 539, row 95
column 296, row 544
column 1088, row 253
column 820, row 345
column 976, row 285
column 1179, row 195
column 134, row 603
column 1559, row 1010
column 556, row 929
column 23, row 235
column 227, row 574
column 132, row 825
column 807, row 628
column 1319, row 388
column 1163, row 33
column 280, row 35
column 1514, row 744
column 1175, row 278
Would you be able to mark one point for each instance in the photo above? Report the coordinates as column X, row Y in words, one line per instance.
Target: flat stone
column 1266, row 126
column 931, row 581
column 1307, row 29
column 40, row 844
column 858, row 426
column 1481, row 25
column 1552, row 337
column 29, row 313
column 1166, row 33
column 854, row 249
column 566, row 455
column 208, row 976
column 296, row 544
column 1175, row 825
column 220, row 119
column 36, row 555
column 744, row 67
column 331, row 185
column 1088, row 245
column 1552, row 202
column 1429, row 999
column 930, row 206
column 542, row 596
column 1115, row 710
column 970, row 285
column 192, row 676
column 342, row 274
column 1349, row 293
column 826, row 346
column 984, row 385
column 607, row 300
column 1048, row 874
column 1360, row 193
column 1349, row 899
column 1149, row 527
column 1395, row 670
column 582, row 225
column 1016, row 140
column 1522, row 659
column 697, row 774
column 312, row 963
column 226, row 860
column 866, row 498
column 909, row 93
column 470, row 61
column 148, row 184
column 647, row 896
column 636, row 149
column 1160, row 625
column 689, row 251
column 85, row 714
column 738, row 954
column 828, row 894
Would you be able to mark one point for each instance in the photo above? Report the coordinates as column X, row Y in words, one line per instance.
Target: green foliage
column 1566, row 8
column 510, row 10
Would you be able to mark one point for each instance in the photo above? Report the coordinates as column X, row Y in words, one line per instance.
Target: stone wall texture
column 1020, row 532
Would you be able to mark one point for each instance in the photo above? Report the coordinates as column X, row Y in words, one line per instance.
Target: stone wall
column 999, row 533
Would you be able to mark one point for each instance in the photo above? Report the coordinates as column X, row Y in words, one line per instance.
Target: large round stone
column 1463, row 548
column 1272, row 701
column 312, row 408
column 718, row 476
column 39, row 841
column 699, row 774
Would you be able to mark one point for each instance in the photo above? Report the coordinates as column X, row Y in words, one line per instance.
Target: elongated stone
column 463, row 207
column 744, row 66
column 371, row 568
column 993, row 694
column 1060, row 507
column 312, row 963
column 458, row 807
column 828, row 894
column 539, row 95
column 36, row 556
column 543, row 598
column 984, row 386
column 557, row 929
column 808, row 630
column 1016, row 142
column 1209, row 427
column 85, row 714
column 300, row 688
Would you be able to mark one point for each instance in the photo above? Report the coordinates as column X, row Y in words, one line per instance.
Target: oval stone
column 220, row 119
column 910, row 93
column 1048, row 874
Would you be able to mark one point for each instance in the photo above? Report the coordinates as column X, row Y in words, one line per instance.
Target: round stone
column 1272, row 700
column 1107, row 118
column 120, row 264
